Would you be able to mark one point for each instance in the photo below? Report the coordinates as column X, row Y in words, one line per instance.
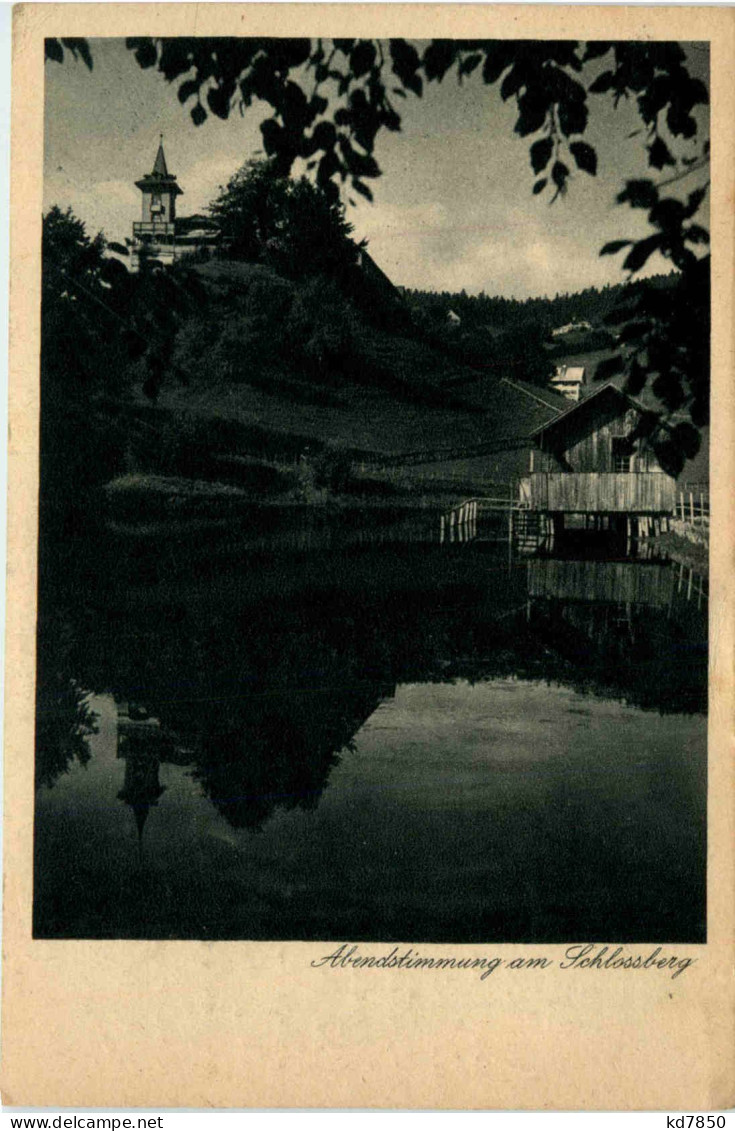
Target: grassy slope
column 384, row 406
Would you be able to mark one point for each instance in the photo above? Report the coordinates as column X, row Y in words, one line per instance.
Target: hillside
column 294, row 370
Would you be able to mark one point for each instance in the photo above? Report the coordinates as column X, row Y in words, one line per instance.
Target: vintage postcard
column 369, row 719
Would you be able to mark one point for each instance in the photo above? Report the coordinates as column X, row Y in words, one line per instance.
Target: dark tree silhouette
column 291, row 225
column 331, row 99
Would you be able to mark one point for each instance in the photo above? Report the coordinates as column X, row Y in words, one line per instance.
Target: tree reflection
column 280, row 755
column 64, row 719
column 261, row 699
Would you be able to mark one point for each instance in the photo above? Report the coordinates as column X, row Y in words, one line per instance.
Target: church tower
column 154, row 235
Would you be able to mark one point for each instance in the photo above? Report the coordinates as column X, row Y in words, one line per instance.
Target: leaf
column 585, row 157
column 572, row 117
column 668, row 214
column 85, row 53
column 438, row 58
column 272, row 135
column 145, row 52
column 118, row 248
column 405, row 61
column 362, row 188
column 669, row 456
column 532, row 116
column 608, row 368
column 360, row 164
column 680, row 123
column 694, row 202
column 191, row 86
column 198, row 114
column 659, row 154
column 53, row 50
column 415, row 83
column 641, row 252
column 614, row 246
column 559, row 174
column 696, row 234
column 324, row 136
column 362, row 57
column 218, row 101
column 540, row 185
column 602, row 83
column 79, row 47
column 511, row 84
column 540, row 153
column 496, row 60
column 470, row 63
column 639, row 194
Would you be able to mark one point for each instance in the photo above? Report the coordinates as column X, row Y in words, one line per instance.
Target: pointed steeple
column 159, row 168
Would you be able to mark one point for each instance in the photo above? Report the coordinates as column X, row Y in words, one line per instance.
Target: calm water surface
column 416, row 744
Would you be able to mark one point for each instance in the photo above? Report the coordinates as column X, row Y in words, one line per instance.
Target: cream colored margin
column 174, row 1024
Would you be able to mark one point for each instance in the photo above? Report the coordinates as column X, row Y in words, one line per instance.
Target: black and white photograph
column 374, row 505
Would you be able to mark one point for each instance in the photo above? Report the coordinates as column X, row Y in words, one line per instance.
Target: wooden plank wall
column 602, row 493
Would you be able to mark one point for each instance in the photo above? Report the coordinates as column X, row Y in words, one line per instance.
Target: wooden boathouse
column 586, row 463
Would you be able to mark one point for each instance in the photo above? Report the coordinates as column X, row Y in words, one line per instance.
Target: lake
column 392, row 741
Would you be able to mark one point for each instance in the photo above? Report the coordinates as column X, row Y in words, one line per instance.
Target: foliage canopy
column 331, row 99
column 290, row 225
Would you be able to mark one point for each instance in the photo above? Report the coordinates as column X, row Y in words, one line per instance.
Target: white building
column 568, row 380
column 570, row 328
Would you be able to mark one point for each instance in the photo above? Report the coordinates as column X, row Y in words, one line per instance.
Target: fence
column 692, row 503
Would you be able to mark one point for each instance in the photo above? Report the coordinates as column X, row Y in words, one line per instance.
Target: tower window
column 156, row 205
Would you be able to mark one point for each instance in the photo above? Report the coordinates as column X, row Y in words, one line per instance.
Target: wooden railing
column 601, row 492
column 692, row 503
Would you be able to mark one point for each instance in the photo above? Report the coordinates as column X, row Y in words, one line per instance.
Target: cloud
column 203, row 179
column 520, row 249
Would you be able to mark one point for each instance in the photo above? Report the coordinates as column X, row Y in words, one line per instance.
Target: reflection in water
column 64, row 718
column 140, row 744
column 281, row 754
column 429, row 745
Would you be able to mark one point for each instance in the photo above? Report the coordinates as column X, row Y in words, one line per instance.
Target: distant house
column 570, row 328
column 568, row 381
column 453, row 318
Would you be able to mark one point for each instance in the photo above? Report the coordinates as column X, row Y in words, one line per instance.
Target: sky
column 453, row 209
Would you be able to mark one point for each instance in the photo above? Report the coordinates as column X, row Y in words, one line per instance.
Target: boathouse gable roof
column 608, row 401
